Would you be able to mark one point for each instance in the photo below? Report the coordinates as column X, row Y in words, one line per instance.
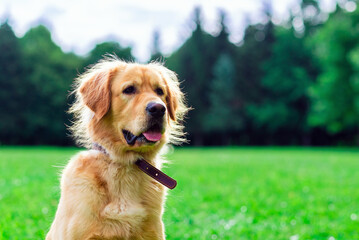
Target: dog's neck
column 147, row 168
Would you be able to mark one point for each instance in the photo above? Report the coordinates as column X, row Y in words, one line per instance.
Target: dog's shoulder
column 86, row 169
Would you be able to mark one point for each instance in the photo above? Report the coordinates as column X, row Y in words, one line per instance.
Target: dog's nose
column 155, row 109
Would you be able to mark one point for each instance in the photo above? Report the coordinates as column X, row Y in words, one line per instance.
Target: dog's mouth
column 151, row 135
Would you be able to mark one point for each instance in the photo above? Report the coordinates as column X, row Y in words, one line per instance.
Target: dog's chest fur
column 123, row 197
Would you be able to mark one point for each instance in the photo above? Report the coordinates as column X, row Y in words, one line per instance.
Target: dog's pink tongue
column 152, row 136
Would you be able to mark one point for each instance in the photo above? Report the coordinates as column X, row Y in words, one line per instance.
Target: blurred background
column 281, row 72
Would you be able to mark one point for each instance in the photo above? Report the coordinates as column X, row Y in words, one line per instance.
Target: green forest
column 293, row 83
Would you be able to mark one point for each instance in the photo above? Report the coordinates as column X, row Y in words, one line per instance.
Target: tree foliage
column 49, row 73
column 35, row 81
column 102, row 49
column 288, row 74
column 156, row 54
column 294, row 83
column 11, row 91
column 336, row 94
column 221, row 117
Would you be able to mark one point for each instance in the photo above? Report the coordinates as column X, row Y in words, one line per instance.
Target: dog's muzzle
column 155, row 126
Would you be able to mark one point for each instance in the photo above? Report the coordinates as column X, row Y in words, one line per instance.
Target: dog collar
column 156, row 174
column 147, row 168
column 98, row 147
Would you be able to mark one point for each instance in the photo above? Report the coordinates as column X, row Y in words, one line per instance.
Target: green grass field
column 222, row 193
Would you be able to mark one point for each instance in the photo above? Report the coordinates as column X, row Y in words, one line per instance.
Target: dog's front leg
column 153, row 229
column 76, row 217
column 69, row 224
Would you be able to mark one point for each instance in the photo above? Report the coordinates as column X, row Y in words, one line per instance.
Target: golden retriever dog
column 123, row 112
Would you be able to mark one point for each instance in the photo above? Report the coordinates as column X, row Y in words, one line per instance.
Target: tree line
column 294, row 83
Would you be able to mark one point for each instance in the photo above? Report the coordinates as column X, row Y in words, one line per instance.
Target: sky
column 78, row 25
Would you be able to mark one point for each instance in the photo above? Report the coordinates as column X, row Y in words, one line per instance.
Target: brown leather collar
column 147, row 168
column 156, row 174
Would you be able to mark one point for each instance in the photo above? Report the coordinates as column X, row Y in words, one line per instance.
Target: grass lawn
column 222, row 193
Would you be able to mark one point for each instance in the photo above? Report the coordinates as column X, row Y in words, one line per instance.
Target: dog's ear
column 175, row 102
column 171, row 102
column 96, row 92
column 174, row 98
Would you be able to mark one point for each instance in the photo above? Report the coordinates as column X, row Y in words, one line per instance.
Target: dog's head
column 128, row 106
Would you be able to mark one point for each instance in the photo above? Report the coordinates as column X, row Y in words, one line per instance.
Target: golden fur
column 105, row 196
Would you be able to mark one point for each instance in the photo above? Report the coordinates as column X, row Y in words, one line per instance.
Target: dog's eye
column 129, row 90
column 159, row 91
